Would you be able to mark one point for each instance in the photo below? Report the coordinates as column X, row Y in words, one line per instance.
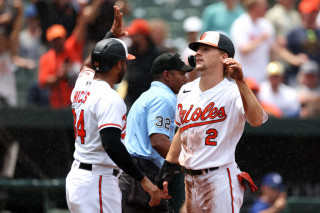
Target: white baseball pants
column 95, row 191
column 218, row 191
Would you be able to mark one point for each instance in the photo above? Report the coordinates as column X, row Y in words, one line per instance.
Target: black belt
column 88, row 167
column 198, row 172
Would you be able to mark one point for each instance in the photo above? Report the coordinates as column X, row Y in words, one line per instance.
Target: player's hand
column 234, row 69
column 165, row 192
column 18, row 6
column 152, row 190
column 281, row 202
column 116, row 28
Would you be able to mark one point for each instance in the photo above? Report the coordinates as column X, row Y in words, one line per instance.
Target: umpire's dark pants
column 134, row 198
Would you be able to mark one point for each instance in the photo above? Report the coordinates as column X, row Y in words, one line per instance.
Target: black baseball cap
column 169, row 61
column 215, row 39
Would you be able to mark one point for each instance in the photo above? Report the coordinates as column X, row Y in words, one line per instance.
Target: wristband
column 109, row 35
column 166, row 173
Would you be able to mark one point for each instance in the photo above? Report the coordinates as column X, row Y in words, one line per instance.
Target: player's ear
column 223, row 57
column 118, row 65
column 165, row 75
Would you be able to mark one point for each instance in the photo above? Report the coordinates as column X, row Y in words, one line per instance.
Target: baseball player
column 100, row 128
column 211, row 113
column 151, row 128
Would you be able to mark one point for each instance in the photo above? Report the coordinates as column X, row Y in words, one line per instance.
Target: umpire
column 150, row 130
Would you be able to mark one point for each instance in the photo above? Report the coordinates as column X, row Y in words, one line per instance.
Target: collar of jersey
column 161, row 85
column 216, row 89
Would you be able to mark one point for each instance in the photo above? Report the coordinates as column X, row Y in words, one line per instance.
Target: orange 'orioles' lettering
column 210, row 111
column 80, row 97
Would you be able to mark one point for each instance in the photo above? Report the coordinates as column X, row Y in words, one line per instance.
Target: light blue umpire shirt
column 153, row 112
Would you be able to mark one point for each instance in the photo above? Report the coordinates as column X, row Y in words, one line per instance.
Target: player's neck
column 103, row 77
column 209, row 80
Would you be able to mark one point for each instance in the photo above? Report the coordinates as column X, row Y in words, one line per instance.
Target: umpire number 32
column 79, row 130
column 212, row 134
column 164, row 123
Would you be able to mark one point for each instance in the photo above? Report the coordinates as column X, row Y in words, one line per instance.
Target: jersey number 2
column 212, row 134
column 79, row 130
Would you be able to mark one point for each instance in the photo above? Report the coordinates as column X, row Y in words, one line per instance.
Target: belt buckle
column 188, row 171
column 205, row 171
column 115, row 172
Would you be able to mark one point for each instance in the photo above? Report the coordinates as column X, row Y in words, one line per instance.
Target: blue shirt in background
column 153, row 112
column 258, row 206
column 217, row 17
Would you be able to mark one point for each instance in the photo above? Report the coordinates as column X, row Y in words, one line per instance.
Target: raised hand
column 234, row 69
column 116, row 28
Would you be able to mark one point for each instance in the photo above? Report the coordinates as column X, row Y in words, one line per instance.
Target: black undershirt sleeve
column 109, row 35
column 116, row 150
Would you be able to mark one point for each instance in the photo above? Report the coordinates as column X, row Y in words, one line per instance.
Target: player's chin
column 200, row 67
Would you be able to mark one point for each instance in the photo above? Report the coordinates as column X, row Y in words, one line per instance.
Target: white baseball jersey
column 95, row 105
column 211, row 124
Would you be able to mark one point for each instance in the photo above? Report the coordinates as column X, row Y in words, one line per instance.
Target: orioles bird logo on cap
column 203, row 35
column 96, row 63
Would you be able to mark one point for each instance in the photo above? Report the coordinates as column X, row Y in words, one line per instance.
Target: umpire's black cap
column 215, row 39
column 169, row 61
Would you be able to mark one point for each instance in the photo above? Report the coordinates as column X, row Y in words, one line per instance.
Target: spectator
column 253, row 37
column 310, row 106
column 308, row 87
column 30, row 38
column 8, row 51
column 269, row 108
column 305, row 39
column 30, row 51
column 308, row 79
column 138, row 77
column 284, row 17
column 160, row 34
column 273, row 196
column 274, row 91
column 8, row 90
column 59, row 66
column 220, row 15
column 56, row 12
column 192, row 26
column 7, row 14
column 98, row 22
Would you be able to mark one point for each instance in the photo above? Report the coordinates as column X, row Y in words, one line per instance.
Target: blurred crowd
column 43, row 42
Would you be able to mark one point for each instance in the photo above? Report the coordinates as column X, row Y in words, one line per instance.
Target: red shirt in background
column 51, row 64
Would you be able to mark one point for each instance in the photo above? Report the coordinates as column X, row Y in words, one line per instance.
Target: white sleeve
column 110, row 112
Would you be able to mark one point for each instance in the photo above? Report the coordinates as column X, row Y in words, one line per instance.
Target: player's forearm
column 250, row 46
column 252, row 107
column 118, row 153
column 160, row 143
column 175, row 148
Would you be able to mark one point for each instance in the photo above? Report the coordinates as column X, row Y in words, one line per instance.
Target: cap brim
column 130, row 57
column 194, row 45
column 185, row 67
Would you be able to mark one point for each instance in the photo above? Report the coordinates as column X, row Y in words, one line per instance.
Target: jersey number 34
column 79, row 130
